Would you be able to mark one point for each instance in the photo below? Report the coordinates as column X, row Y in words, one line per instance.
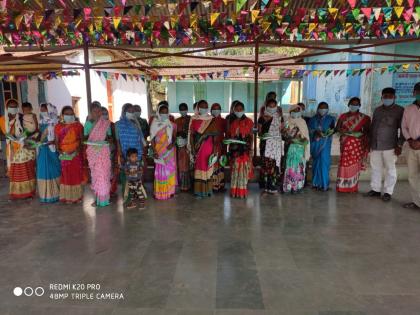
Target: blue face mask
column 323, row 111
column 69, row 118
column 296, row 114
column 239, row 114
column 183, row 113
column 388, row 101
column 354, row 108
column 164, row 117
column 215, row 112
column 130, row 115
column 270, row 110
column 203, row 111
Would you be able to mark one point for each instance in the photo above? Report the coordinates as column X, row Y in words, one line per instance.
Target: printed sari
column 99, row 159
column 297, row 155
column 69, row 141
column 183, row 155
column 165, row 166
column 218, row 177
column 202, row 131
column 21, row 160
column 48, row 169
column 354, row 150
column 321, row 150
column 240, row 156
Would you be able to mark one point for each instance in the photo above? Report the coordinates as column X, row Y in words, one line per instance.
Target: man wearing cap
column 411, row 131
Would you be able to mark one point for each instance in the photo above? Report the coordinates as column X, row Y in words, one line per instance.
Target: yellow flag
column 40, row 4
column 254, row 15
column 225, row 2
column 57, row 21
column 333, row 12
column 174, row 20
column 265, row 25
column 117, row 21
column 400, row 2
column 311, row 27
column 18, row 20
column 193, row 20
column 91, row 29
column 38, row 20
column 98, row 23
column 213, row 17
column 405, row 67
column 391, row 28
column 398, row 10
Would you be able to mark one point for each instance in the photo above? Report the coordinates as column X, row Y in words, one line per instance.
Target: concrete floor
column 307, row 254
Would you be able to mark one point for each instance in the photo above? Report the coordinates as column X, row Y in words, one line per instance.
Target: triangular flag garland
column 42, row 76
column 119, row 23
column 245, row 72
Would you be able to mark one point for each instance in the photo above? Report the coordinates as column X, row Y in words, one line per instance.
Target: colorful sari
column 270, row 153
column 354, row 150
column 69, row 137
column 240, row 156
column 202, row 131
column 297, row 155
column 21, row 161
column 48, row 169
column 165, row 165
column 321, row 150
column 183, row 155
column 99, row 159
column 218, row 177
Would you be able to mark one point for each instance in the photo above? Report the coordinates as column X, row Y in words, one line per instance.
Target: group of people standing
column 59, row 155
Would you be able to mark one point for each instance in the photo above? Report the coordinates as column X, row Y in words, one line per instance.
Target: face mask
column 354, row 108
column 106, row 116
column 215, row 112
column 418, row 97
column 239, row 114
column 388, row 101
column 183, row 113
column 68, row 118
column 323, row 111
column 270, row 110
column 44, row 115
column 137, row 114
column 130, row 115
column 296, row 114
column 13, row 110
column 164, row 117
column 203, row 111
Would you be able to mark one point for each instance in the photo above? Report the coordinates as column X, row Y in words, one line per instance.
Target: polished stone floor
column 307, row 254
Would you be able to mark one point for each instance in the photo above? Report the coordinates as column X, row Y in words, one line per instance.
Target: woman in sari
column 353, row 127
column 183, row 155
column 97, row 132
column 321, row 129
column 19, row 128
column 219, row 148
column 163, row 136
column 240, row 154
column 48, row 168
column 297, row 135
column 201, row 142
column 115, row 169
column 269, row 129
column 129, row 136
column 69, row 143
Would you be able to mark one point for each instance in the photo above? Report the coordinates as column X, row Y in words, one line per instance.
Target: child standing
column 134, row 189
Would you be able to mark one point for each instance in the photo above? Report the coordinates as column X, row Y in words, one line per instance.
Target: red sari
column 240, row 156
column 354, row 150
column 69, row 137
column 219, row 149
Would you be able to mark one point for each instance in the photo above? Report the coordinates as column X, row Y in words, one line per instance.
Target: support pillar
column 86, row 67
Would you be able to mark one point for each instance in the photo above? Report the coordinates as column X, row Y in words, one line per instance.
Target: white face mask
column 239, row 114
column 296, row 114
column 137, row 114
column 183, row 113
column 69, row 118
column 203, row 111
column 13, row 110
column 270, row 110
column 164, row 117
column 44, row 115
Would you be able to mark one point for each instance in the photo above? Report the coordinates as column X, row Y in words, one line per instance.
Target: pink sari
column 99, row 158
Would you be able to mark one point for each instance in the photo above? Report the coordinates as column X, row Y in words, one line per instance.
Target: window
column 200, row 91
column 8, row 90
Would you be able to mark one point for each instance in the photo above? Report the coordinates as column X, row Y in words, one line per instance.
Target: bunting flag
column 16, row 77
column 124, row 24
